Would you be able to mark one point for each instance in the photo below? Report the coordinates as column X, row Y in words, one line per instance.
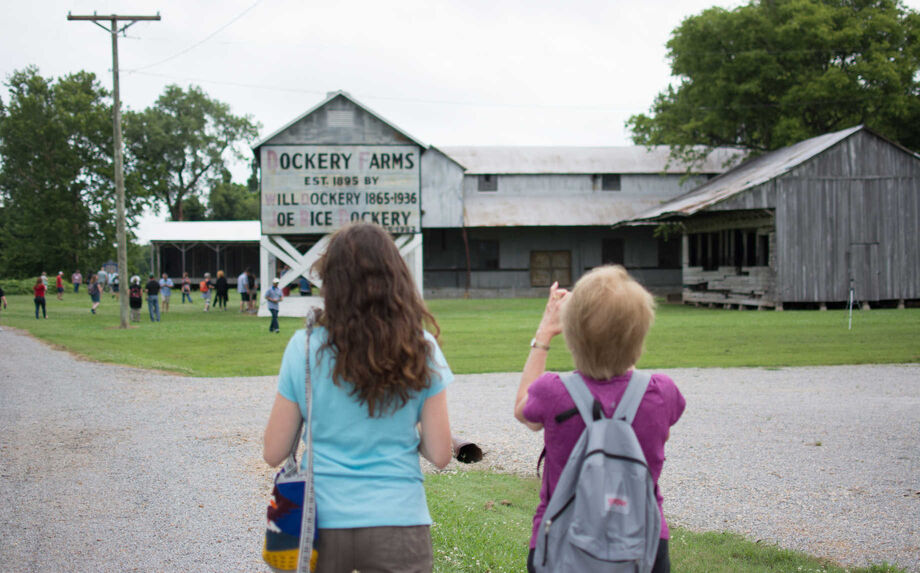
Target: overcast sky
column 465, row 72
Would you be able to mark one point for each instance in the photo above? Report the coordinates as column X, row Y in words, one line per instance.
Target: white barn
column 490, row 220
column 482, row 221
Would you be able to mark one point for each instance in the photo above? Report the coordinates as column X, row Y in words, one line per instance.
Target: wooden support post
column 822, row 306
column 901, row 304
column 779, row 307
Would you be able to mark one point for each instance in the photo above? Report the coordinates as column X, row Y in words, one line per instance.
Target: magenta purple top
column 547, row 397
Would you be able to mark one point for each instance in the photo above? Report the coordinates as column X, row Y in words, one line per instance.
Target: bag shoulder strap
column 308, row 397
column 308, row 515
column 581, row 395
column 632, row 396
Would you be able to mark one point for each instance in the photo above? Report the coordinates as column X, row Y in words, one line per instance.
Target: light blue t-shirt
column 273, row 295
column 366, row 470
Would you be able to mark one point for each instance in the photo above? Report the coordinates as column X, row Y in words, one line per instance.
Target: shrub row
column 24, row 286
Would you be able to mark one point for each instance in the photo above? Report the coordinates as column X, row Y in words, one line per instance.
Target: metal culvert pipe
column 466, row 452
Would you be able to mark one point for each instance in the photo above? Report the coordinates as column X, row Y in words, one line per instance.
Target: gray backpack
column 603, row 515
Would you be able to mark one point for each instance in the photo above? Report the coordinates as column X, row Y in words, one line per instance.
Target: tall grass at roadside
column 476, row 335
column 482, row 522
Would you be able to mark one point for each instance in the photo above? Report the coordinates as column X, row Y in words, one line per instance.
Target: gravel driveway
column 108, row 468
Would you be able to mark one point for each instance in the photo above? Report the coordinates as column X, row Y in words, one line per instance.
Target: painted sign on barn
column 318, row 188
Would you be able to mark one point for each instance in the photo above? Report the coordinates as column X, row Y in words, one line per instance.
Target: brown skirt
column 375, row 550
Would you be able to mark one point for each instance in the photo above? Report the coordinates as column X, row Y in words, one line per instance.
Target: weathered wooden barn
column 491, row 219
column 803, row 225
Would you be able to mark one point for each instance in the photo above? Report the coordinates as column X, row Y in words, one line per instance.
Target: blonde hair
column 220, row 274
column 605, row 322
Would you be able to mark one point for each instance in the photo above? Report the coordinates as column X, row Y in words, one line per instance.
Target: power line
column 560, row 107
column 195, row 45
column 599, row 107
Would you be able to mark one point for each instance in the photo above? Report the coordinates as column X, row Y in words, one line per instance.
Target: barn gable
column 339, row 120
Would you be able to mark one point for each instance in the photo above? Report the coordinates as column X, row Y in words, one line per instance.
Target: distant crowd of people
column 158, row 292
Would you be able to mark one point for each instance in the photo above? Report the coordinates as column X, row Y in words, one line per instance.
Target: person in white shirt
column 242, row 287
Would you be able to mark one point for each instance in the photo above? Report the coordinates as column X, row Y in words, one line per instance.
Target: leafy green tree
column 774, row 72
column 177, row 145
column 57, row 199
column 231, row 201
column 193, row 209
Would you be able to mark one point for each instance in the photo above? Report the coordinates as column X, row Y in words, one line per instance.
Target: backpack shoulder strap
column 632, row 397
column 583, row 398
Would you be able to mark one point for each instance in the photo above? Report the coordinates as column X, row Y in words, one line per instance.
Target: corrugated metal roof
column 749, row 174
column 204, row 231
column 575, row 160
column 571, row 211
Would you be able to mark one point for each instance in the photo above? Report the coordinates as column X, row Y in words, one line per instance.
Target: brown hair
column 375, row 318
column 605, row 322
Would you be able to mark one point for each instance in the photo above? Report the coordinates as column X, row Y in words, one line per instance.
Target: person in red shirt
column 39, row 290
column 59, row 283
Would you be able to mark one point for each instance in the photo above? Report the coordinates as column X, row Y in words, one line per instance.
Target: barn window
column 488, row 183
column 547, row 267
column 340, row 118
column 612, row 252
column 610, row 182
column 483, row 254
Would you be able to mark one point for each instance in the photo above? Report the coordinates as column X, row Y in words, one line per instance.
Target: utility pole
column 114, row 30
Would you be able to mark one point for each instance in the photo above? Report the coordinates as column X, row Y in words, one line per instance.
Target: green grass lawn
column 492, row 336
column 482, row 522
column 186, row 340
column 477, row 336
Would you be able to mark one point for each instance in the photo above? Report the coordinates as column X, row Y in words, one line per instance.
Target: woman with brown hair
column 39, row 290
column 378, row 391
column 95, row 291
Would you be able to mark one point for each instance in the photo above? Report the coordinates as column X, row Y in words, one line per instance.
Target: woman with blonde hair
column 605, row 320
column 378, row 401
column 221, row 287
